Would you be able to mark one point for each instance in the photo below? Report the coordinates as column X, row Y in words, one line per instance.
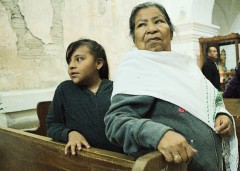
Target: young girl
column 79, row 105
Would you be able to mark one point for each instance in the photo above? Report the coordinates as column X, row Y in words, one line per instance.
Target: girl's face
column 83, row 68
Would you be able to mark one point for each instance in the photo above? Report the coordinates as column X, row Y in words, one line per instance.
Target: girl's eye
column 79, row 58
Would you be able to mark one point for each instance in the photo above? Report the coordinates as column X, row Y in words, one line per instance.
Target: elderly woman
column 161, row 101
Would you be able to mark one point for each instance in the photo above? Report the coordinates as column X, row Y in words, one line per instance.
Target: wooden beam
column 219, row 39
column 233, row 38
column 237, row 50
column 233, row 106
column 26, row 151
column 155, row 161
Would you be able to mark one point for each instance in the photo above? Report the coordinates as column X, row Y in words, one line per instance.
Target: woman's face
column 152, row 31
column 82, row 67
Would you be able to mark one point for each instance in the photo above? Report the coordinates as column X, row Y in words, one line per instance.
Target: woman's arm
column 224, row 120
column 127, row 123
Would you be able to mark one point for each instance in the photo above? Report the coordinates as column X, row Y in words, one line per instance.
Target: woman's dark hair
column 95, row 49
column 146, row 5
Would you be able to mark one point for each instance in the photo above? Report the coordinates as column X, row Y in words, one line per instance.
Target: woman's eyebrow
column 159, row 16
column 155, row 17
column 141, row 20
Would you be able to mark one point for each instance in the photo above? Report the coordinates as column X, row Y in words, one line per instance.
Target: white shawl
column 174, row 77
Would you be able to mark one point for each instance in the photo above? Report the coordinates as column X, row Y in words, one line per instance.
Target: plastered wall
column 31, row 44
column 226, row 14
column 34, row 35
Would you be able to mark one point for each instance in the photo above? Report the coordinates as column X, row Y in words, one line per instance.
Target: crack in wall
column 57, row 27
column 33, row 66
column 28, row 45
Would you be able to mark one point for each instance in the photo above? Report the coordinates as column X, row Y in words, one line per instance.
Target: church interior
column 34, row 36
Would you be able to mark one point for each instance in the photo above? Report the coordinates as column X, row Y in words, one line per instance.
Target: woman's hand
column 223, row 125
column 175, row 148
column 75, row 141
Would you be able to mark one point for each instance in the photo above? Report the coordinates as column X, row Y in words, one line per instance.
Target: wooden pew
column 233, row 106
column 42, row 111
column 91, row 159
column 21, row 150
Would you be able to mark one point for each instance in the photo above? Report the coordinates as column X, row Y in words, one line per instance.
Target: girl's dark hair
column 95, row 49
column 146, row 5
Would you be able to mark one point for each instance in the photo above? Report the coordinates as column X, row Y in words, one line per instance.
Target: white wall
column 226, row 14
column 34, row 37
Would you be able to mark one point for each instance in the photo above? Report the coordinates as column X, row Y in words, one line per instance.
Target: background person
column 79, row 105
column 233, row 88
column 210, row 69
column 161, row 100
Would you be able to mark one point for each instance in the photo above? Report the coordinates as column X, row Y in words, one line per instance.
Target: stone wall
column 34, row 36
column 33, row 56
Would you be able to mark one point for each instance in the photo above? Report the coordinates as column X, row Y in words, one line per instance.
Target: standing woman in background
column 79, row 105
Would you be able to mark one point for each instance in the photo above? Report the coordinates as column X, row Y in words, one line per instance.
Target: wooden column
column 237, row 50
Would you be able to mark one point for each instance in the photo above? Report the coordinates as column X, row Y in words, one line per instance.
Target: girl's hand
column 75, row 141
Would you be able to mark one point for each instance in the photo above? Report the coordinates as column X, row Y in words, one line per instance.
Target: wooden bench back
column 33, row 152
column 42, row 111
column 25, row 151
column 233, row 106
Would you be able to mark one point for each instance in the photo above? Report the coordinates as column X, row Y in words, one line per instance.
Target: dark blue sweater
column 77, row 108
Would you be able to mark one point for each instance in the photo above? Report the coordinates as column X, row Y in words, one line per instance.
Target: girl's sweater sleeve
column 56, row 128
